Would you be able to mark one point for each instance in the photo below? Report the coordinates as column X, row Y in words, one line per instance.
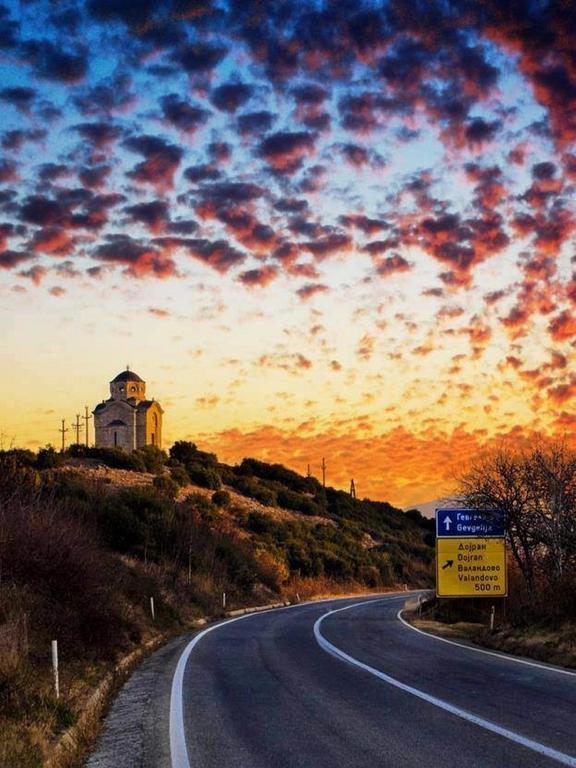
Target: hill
column 89, row 536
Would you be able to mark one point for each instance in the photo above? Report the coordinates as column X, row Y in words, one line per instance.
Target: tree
column 536, row 491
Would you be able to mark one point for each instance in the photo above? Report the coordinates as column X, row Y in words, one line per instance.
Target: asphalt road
column 267, row 691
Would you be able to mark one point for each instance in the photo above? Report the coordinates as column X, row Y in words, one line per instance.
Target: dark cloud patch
column 291, row 205
column 139, row 259
column 183, row 115
column 20, row 97
column 94, row 176
column 98, row 134
column 153, row 214
column 219, row 151
column 544, row 171
column 480, row 131
column 231, row 193
column 51, row 62
column 365, row 224
column 285, row 151
column 260, row 277
column 44, row 211
column 310, row 290
column 218, row 254
column 323, row 247
column 114, row 95
column 131, row 12
column 376, row 247
column 310, row 94
column 8, row 29
column 14, row 140
column 161, row 160
column 183, row 227
column 392, row 265
column 53, row 171
column 8, row 171
column 229, row 97
column 11, row 259
column 199, row 57
column 204, row 172
column 255, row 122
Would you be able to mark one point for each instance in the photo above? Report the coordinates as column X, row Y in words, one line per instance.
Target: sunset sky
column 340, row 229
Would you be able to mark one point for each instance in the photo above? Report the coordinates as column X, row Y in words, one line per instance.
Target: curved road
column 305, row 687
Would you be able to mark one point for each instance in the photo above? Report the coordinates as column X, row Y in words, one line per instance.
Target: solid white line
column 503, row 656
column 535, row 746
column 178, row 749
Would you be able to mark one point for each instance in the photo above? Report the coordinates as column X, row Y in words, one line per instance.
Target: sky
column 316, row 229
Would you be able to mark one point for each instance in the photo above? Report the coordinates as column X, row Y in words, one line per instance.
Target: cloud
column 153, row 214
column 11, row 259
column 161, row 160
column 285, row 151
column 140, row 260
column 20, row 97
column 229, row 97
column 52, row 62
column 255, row 123
column 563, row 326
column 183, row 115
column 310, row 290
column 199, row 57
column 259, row 277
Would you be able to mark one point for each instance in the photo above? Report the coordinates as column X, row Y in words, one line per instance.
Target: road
column 308, row 688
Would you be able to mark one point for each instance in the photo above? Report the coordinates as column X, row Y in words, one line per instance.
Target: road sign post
column 470, row 554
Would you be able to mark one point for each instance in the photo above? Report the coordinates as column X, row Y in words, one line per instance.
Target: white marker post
column 152, row 609
column 492, row 612
column 223, row 599
column 55, row 668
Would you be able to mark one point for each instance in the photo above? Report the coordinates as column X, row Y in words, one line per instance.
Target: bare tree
column 535, row 490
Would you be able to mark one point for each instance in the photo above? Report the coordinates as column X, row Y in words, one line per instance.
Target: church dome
column 126, row 376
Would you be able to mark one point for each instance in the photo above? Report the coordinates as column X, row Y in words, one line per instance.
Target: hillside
column 88, row 537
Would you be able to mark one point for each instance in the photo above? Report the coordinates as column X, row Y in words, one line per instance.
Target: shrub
column 47, row 458
column 179, row 475
column 72, row 584
column 203, row 476
column 221, row 499
column 166, row 485
column 152, row 458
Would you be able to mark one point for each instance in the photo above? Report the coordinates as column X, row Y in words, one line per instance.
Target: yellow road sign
column 467, row 567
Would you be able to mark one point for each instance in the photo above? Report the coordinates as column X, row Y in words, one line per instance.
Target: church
column 127, row 419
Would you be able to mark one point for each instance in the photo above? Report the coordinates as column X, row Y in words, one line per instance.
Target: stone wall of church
column 111, row 434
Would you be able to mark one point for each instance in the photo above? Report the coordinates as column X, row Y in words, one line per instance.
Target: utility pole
column 323, row 472
column 77, row 426
column 308, row 471
column 86, row 419
column 63, row 431
column 352, row 489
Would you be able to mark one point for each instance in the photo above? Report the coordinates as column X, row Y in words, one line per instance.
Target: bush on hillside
column 152, row 457
column 179, row 475
column 221, row 499
column 166, row 485
column 203, row 476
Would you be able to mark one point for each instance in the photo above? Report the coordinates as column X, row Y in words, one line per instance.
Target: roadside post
column 55, row 668
column 470, row 554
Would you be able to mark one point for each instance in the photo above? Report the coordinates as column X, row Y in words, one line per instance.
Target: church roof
column 127, row 376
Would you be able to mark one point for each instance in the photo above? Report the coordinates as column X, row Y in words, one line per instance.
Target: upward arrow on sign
column 447, row 522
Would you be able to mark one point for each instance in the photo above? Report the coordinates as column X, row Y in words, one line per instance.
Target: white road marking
column 178, row 749
column 535, row 746
column 503, row 656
